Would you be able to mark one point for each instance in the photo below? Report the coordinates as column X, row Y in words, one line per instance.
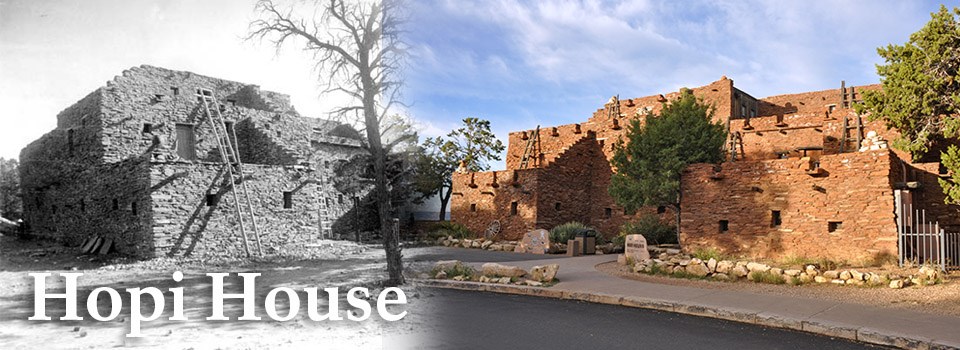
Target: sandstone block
column 724, row 266
column 544, row 273
column 498, row 270
column 698, row 269
column 757, row 267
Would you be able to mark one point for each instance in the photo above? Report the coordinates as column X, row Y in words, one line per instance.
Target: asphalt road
column 478, row 320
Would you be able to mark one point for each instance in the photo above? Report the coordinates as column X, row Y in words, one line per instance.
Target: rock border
column 861, row 334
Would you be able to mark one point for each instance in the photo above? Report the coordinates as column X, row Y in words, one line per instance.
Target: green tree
column 473, row 144
column 649, row 163
column 921, row 92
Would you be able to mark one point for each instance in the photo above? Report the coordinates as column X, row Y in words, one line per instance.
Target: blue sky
column 516, row 63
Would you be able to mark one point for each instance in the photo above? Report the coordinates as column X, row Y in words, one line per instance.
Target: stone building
column 796, row 181
column 136, row 163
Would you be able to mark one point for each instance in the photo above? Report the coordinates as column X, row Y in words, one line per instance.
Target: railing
column 922, row 242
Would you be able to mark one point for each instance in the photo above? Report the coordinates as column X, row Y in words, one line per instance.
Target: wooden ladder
column 532, row 150
column 845, row 136
column 231, row 158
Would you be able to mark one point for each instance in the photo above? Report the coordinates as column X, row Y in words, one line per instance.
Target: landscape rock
column 441, row 275
column 757, row 267
column 896, row 284
column 792, row 272
column 712, row 265
column 486, row 244
column 498, row 270
column 739, row 271
column 821, row 279
column 831, row 274
column 447, row 264
column 697, row 269
column 845, row 275
column 504, row 280
column 544, row 273
column 724, row 266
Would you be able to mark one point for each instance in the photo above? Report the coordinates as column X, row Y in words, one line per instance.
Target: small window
column 174, row 90
column 228, row 126
column 775, row 219
column 287, row 200
column 232, row 102
column 116, row 204
column 186, row 142
column 724, row 226
column 83, row 206
column 513, row 208
column 753, row 113
column 147, row 128
column 833, row 226
column 340, row 199
column 326, row 164
column 158, row 97
column 607, row 212
column 556, row 206
column 329, row 202
column 279, row 133
column 212, row 199
column 473, row 207
column 133, row 208
column 661, row 209
column 53, row 209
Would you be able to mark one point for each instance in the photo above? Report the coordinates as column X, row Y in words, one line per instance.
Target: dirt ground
column 939, row 299
column 331, row 264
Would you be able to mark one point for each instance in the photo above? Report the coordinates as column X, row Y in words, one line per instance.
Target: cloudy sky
column 516, row 63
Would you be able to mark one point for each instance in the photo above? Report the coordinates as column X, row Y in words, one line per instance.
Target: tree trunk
column 391, row 240
column 444, row 198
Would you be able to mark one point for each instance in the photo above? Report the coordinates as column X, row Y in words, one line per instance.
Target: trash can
column 588, row 241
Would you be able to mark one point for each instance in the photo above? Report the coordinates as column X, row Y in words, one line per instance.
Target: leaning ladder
column 532, row 150
column 857, row 136
column 230, row 156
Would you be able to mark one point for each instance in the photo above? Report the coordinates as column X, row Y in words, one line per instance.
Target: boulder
column 792, row 272
column 697, row 269
column 458, row 278
column 857, row 275
column 739, row 271
column 447, row 264
column 712, row 265
column 812, row 270
column 845, row 275
column 544, row 273
column 805, row 278
column 509, row 247
column 498, row 270
column 496, row 247
column 776, row 271
column 831, row 274
column 720, row 277
column 622, row 260
column 820, row 279
column 757, row 267
column 931, row 273
column 475, row 244
column 441, row 275
column 486, row 245
column 724, row 266
column 896, row 284
column 504, row 280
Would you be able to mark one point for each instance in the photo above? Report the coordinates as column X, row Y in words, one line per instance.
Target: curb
column 837, row 330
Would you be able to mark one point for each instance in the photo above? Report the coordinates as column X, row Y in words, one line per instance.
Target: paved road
column 471, row 255
column 477, row 320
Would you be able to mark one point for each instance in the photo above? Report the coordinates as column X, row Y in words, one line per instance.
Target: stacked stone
column 479, row 243
column 872, row 142
column 727, row 270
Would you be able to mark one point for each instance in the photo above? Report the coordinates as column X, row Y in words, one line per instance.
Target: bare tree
column 358, row 51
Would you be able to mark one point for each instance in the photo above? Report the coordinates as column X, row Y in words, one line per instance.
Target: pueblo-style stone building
column 137, row 163
column 796, row 181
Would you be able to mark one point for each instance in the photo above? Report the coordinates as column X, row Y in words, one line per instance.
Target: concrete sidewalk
column 580, row 280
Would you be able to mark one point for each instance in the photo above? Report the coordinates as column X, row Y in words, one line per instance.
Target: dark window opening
column 53, row 209
column 339, row 199
column 212, row 199
column 513, row 208
column 116, row 204
column 556, row 206
column 473, row 207
column 70, row 142
column 175, row 90
column 186, row 142
column 38, row 200
column 232, row 102
column 158, row 97
column 228, row 126
column 278, row 133
column 607, row 212
column 147, row 128
column 833, row 226
column 329, row 202
column 287, row 200
column 326, row 164
column 83, row 205
column 775, row 219
column 133, row 208
column 724, row 226
column 661, row 209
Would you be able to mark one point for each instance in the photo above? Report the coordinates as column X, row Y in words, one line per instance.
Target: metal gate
column 922, row 242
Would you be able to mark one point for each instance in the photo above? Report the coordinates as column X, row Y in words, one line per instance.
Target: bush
column 766, row 277
column 565, row 232
column 455, row 270
column 707, row 254
column 650, row 226
column 448, row 228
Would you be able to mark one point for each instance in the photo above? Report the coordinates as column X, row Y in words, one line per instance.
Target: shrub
column 650, row 226
column 766, row 277
column 455, row 270
column 565, row 232
column 448, row 228
column 708, row 253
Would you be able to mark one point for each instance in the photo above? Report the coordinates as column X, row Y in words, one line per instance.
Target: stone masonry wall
column 846, row 214
column 184, row 223
column 477, row 201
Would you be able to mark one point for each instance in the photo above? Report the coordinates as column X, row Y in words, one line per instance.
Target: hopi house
column 796, row 181
column 136, row 163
